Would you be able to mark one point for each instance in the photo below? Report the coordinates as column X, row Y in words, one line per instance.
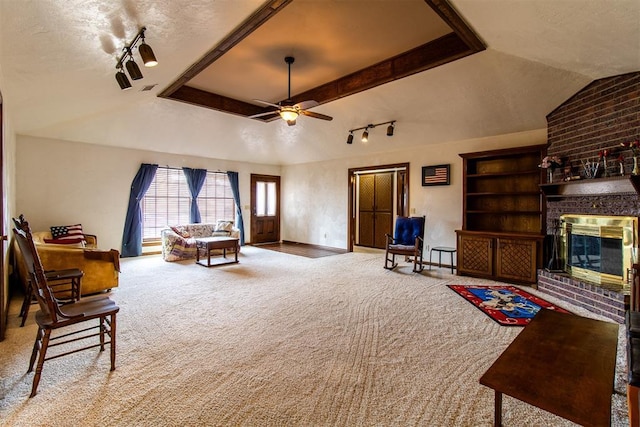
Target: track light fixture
column 146, row 53
column 365, row 134
column 122, row 79
column 350, row 138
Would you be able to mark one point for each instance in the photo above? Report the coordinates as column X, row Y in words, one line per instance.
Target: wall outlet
column 413, row 210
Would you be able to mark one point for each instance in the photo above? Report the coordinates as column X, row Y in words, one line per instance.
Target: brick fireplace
column 600, row 117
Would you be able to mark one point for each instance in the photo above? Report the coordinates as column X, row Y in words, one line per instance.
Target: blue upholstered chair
column 407, row 240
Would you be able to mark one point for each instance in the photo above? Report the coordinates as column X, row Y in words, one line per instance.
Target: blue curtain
column 195, row 181
column 235, row 188
column 132, row 235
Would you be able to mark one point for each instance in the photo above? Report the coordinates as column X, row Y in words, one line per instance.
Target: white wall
column 61, row 182
column 315, row 195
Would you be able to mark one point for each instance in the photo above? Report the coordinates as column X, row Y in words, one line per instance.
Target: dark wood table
column 208, row 244
column 562, row 363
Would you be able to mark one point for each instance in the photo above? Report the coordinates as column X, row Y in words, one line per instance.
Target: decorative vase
column 550, row 175
column 636, row 170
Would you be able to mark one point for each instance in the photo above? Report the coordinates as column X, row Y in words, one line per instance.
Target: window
column 265, row 198
column 168, row 201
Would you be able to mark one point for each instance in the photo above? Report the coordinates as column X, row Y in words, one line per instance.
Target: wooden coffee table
column 562, row 363
column 207, row 244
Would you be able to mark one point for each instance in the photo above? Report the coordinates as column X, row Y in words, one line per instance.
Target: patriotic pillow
column 67, row 232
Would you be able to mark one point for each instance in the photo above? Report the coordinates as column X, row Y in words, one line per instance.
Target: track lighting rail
column 146, row 53
column 365, row 134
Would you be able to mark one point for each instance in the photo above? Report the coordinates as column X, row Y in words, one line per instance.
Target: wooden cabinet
column 503, row 214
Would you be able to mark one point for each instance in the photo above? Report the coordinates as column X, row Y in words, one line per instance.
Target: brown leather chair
column 53, row 315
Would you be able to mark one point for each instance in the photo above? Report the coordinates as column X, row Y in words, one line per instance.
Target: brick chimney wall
column 601, row 116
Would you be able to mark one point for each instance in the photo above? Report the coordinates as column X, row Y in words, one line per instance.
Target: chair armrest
column 92, row 240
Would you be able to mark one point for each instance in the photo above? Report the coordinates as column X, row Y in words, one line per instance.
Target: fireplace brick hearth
column 601, row 116
column 598, row 299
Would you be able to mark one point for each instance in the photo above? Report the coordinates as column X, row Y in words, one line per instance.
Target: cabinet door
column 475, row 255
column 516, row 259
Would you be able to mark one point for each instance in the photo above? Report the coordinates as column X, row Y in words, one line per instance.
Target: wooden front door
column 375, row 212
column 265, row 208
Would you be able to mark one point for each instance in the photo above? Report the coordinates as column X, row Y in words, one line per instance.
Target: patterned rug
column 507, row 305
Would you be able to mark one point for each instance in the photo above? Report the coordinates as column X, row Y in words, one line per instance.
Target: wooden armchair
column 408, row 240
column 53, row 316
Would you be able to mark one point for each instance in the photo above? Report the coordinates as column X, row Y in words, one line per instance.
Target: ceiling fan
column 287, row 109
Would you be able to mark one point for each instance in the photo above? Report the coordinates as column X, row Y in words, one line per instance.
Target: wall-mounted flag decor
column 435, row 175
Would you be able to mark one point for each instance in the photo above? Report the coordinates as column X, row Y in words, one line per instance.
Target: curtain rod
column 179, row 168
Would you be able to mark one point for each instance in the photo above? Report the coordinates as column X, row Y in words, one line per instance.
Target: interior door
column 265, row 208
column 375, row 208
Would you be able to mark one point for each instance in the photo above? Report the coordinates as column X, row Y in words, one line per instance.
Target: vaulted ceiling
column 422, row 63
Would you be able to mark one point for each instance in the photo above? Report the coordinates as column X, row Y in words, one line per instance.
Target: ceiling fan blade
column 269, row 113
column 305, row 105
column 316, row 115
column 267, row 103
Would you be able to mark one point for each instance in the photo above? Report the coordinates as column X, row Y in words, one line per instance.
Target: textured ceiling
column 57, row 66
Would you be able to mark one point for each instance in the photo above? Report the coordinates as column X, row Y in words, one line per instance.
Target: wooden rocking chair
column 408, row 241
column 53, row 315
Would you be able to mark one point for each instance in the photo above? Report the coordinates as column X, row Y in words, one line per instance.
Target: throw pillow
column 181, row 231
column 224, row 226
column 71, row 232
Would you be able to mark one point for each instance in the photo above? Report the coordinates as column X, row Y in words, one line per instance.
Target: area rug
column 507, row 305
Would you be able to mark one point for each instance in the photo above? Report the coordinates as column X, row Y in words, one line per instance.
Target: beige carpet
column 277, row 340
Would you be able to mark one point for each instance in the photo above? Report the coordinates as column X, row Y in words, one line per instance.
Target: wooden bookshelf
column 503, row 214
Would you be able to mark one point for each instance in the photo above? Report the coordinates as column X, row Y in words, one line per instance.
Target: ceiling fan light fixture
column 289, row 114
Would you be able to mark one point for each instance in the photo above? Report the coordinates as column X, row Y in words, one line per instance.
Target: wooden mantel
column 592, row 187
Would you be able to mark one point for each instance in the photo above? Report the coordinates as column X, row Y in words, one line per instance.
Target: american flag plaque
column 435, row 175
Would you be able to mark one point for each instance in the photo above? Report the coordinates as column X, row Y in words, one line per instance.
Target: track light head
column 122, row 80
column 133, row 69
column 148, row 58
column 365, row 135
column 350, row 138
column 390, row 128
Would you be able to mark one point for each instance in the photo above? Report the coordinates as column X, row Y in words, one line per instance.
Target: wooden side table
column 441, row 249
column 562, row 363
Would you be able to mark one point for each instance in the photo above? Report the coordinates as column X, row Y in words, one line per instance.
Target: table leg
column 451, row 254
column 497, row 417
column 430, row 253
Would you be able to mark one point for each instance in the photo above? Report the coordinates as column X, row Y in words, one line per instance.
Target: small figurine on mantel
column 635, row 151
column 621, row 164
